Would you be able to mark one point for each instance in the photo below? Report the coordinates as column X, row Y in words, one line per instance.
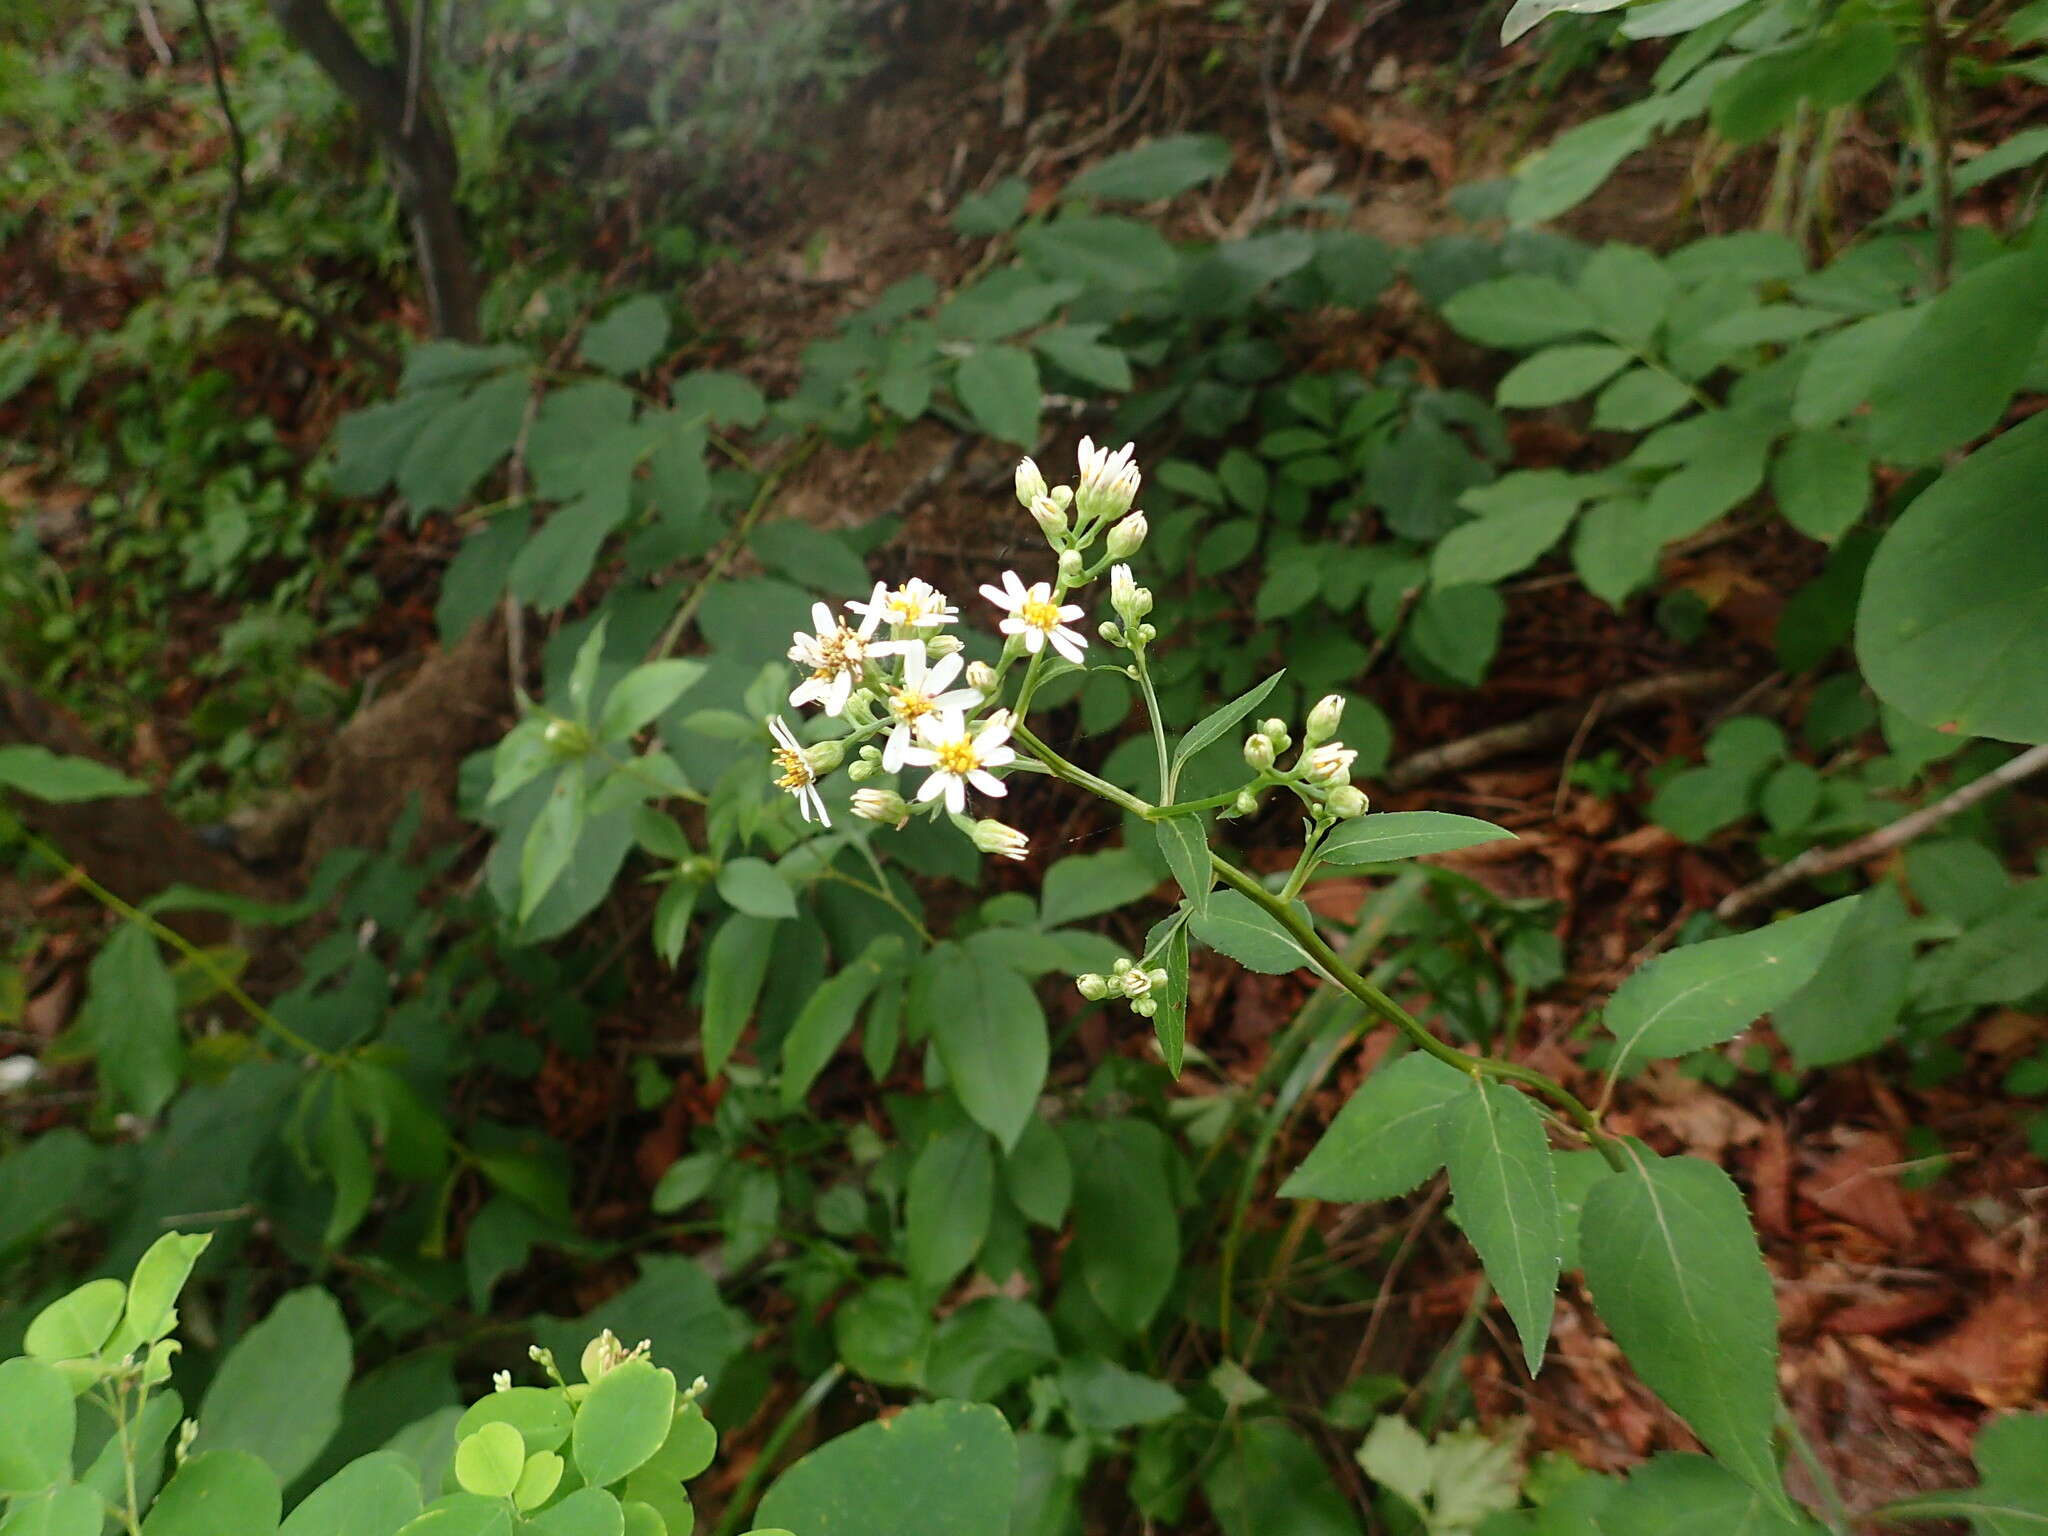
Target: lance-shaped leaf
column 1387, row 1138
column 1506, row 1198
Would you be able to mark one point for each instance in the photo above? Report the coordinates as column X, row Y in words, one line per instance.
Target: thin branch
column 1941, row 126
column 415, row 67
column 1825, row 861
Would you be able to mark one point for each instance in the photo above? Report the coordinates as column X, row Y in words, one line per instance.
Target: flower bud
column 1247, row 803
column 883, row 805
column 501, row 1381
column 1128, row 536
column 1258, row 751
column 941, row 645
column 1109, row 481
column 1145, row 1007
column 993, row 837
column 1118, row 966
column 1093, row 987
column 825, row 757
column 1050, row 516
column 1323, row 720
column 1129, row 599
column 1346, row 800
column 1070, row 566
column 1110, row 633
column 981, row 676
column 567, row 738
column 1135, row 982
column 1146, row 633
column 863, row 770
column 1030, row 483
column 1331, row 764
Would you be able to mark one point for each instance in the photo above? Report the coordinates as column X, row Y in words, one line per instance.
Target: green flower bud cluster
column 1129, row 980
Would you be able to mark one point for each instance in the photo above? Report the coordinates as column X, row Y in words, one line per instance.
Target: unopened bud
column 1134, row 982
column 1331, row 764
column 1006, row 842
column 1126, row 596
column 825, row 757
column 941, row 645
column 1247, row 803
column 1050, row 516
column 883, row 805
column 1258, row 751
column 981, row 676
column 1030, row 482
column 1146, row 633
column 1323, row 720
column 1346, row 800
column 1145, row 1007
column 1093, row 987
column 1070, row 566
column 1110, row 633
column 1128, row 536
column 567, row 738
column 862, row 771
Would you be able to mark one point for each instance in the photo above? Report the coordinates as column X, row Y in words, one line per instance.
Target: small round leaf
column 36, row 1408
column 586, row 1512
column 76, row 1324
column 540, row 1414
column 489, row 1462
column 217, row 1491
column 537, row 1484
column 623, row 1421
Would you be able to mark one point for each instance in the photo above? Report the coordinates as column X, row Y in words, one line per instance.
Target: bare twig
column 146, row 14
column 1824, row 861
column 1941, row 126
column 1552, row 725
column 1308, row 30
column 415, row 67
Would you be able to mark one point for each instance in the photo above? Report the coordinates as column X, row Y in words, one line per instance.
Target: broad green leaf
column 1126, row 1236
column 1104, row 1397
column 989, row 1032
column 1455, row 631
column 41, row 1183
column 131, row 1013
column 2011, row 1498
column 1957, row 370
column 463, row 1514
column 1558, row 374
column 1615, row 549
column 1500, row 545
column 735, row 966
column 988, row 1346
column 1219, row 724
column 1163, row 168
column 623, row 1421
column 1524, row 14
column 999, row 386
column 1119, row 254
column 541, row 1415
column 153, row 1288
column 1639, row 399
column 1577, row 161
column 1955, row 603
column 1237, row 926
column 35, row 1405
column 1079, row 350
column 1822, row 482
column 461, row 442
column 1185, row 842
column 489, row 1459
column 756, row 888
column 42, row 773
column 1706, row 993
column 1675, row 1274
column 946, row 1205
column 278, row 1392
column 712, row 394
column 1387, row 835
column 1677, row 1495
column 883, row 1332
column 1506, row 1199
column 629, row 337
column 995, row 211
column 1668, row 18
column 1629, row 291
column 644, row 693
column 1087, row 884
column 1388, row 1137
column 939, row 1469
column 550, row 842
column 215, row 1492
column 586, row 1512
column 827, row 1017
column 77, row 1323
column 69, row 1511
column 1519, row 311
column 1038, row 1176
column 1269, row 1481
column 1842, row 370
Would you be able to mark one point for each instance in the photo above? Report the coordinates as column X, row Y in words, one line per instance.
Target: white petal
column 1034, row 640
column 956, row 794
column 940, row 675
column 918, row 757
column 1071, row 612
column 1015, row 627
column 996, row 757
column 914, row 667
column 804, row 692
column 988, row 783
column 934, row 787
column 1066, row 642
column 822, row 617
column 895, row 752
column 839, row 690
column 997, row 731
column 959, row 699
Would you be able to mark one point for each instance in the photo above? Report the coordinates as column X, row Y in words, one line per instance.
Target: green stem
column 1166, row 773
column 1063, row 769
column 1831, row 1495
column 1195, row 807
column 743, row 1497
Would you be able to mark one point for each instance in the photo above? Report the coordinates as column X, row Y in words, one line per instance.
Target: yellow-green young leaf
column 1675, row 1274
column 1706, row 993
column 78, row 1323
column 278, row 1393
column 623, row 1421
column 36, row 1407
column 692, row 1442
column 217, row 1491
column 1955, row 602
column 947, row 1204
column 1506, row 1200
column 1388, row 1137
column 153, row 1288
column 489, row 1461
column 538, row 1480
column 467, row 1514
column 540, row 1414
column 734, row 970
column 42, row 773
column 586, row 1512
column 1406, row 835
column 373, row 1495
column 70, row 1511
column 942, row 1469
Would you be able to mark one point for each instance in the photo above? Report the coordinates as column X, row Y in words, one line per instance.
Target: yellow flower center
column 1044, row 616
column 957, row 757
column 838, row 652
column 796, row 769
column 907, row 704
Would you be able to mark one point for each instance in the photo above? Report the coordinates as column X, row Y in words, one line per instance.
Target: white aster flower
column 957, row 759
column 1109, row 481
column 923, row 692
column 1035, row 616
column 798, row 776
column 1331, row 764
column 917, row 604
column 836, row 657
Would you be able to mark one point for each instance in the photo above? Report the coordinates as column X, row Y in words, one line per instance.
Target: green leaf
column 1578, row 160
column 374, row 1495
column 1957, row 370
column 1119, row 254
column 278, row 1392
column 1558, row 374
column 1077, row 349
column 1956, row 598
column 1163, row 168
column 1615, row 550
column 629, row 337
column 2011, row 1498
column 988, row 1346
column 1629, row 291
column 999, row 386
column 1038, row 1176
column 153, row 1288
column 756, row 888
column 1500, row 545
column 69, row 1511
column 131, row 1013
column 623, row 1421
column 940, row 1469
column 1388, row 1137
column 1455, row 631
column 215, row 1492
column 540, row 1414
column 1218, row 725
column 947, row 1204
column 1706, row 993
column 735, row 966
column 1519, row 311
column 1506, row 1200
column 77, row 1323
column 1639, row 399
column 550, row 842
column 62, row 780
column 1185, row 842
column 1104, row 1397
column 1269, row 1481
column 586, row 1512
column 827, row 1017
column 1525, row 14
column 1842, row 370
column 463, row 1514
column 489, row 1460
column 1822, row 482
column 462, row 442
column 1851, row 1005
column 1388, row 835
column 1237, row 926
column 995, row 211
column 989, row 1032
column 35, row 1405
column 644, row 693
column 883, row 1332
column 1126, row 1236
column 1675, row 1274
column 1170, row 1021
column 1086, row 884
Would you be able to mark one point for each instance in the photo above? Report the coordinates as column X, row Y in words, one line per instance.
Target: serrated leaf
column 1506, row 1199
column 1217, row 725
column 1237, row 926
column 1406, row 835
column 1184, row 840
column 1388, row 1137
column 629, row 337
